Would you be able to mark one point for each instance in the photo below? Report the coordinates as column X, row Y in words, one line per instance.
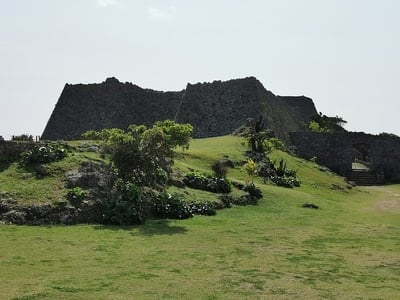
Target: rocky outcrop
column 213, row 109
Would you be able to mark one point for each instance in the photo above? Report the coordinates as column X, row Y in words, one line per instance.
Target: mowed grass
column 348, row 249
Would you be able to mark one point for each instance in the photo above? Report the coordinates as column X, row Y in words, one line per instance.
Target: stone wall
column 335, row 150
column 109, row 104
column 11, row 150
column 214, row 109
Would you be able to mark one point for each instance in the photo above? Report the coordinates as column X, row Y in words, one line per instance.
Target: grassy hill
column 347, row 249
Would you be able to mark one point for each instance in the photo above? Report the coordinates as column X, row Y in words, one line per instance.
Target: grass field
column 347, row 249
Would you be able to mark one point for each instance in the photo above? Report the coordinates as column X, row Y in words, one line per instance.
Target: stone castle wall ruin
column 335, row 150
column 214, row 109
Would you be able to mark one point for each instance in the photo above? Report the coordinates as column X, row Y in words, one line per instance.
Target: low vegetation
column 323, row 123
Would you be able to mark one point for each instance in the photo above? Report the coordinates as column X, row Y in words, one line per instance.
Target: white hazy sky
column 344, row 54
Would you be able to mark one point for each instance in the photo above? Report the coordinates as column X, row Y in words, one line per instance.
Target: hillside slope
column 346, row 249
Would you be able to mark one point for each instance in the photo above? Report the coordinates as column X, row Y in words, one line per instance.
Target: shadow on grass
column 150, row 228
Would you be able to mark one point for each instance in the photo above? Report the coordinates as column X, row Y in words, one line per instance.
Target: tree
column 256, row 135
column 251, row 169
column 144, row 155
column 323, row 123
column 176, row 134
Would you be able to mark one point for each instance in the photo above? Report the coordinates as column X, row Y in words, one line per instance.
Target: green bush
column 170, row 206
column 274, row 144
column 251, row 169
column 285, row 176
column 76, row 196
column 208, row 183
column 44, row 154
column 173, row 206
column 253, row 191
column 205, row 208
column 144, row 155
column 285, row 181
column 219, row 168
column 125, row 206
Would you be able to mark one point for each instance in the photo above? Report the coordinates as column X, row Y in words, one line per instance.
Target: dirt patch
column 389, row 201
column 390, row 205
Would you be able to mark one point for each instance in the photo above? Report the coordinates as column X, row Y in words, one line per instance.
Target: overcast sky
column 344, row 54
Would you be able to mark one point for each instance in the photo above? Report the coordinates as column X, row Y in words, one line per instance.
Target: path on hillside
column 390, row 199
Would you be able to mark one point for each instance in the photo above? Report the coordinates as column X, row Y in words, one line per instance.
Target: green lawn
column 348, row 249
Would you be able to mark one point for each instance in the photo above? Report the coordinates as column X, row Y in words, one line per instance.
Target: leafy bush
column 283, row 170
column 205, row 208
column 285, row 181
column 284, row 176
column 219, row 168
column 174, row 206
column 208, row 183
column 323, row 123
column 44, row 154
column 253, row 191
column 144, row 155
column 256, row 134
column 170, row 206
column 125, row 206
column 76, row 196
column 266, row 169
column 274, row 144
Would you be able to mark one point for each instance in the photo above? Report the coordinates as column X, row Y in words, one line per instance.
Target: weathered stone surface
column 42, row 170
column 91, row 175
column 335, row 150
column 214, row 109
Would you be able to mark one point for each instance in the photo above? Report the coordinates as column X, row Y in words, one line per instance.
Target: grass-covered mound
column 346, row 249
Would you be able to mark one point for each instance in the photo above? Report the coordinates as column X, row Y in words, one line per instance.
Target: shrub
column 44, row 154
column 219, row 168
column 285, row 181
column 219, row 185
column 171, row 206
column 274, row 144
column 208, row 183
column 205, row 208
column 283, row 170
column 125, row 206
column 253, row 191
column 256, row 134
column 76, row 196
column 144, row 155
column 251, row 168
column 175, row 207
column 266, row 169
column 323, row 123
